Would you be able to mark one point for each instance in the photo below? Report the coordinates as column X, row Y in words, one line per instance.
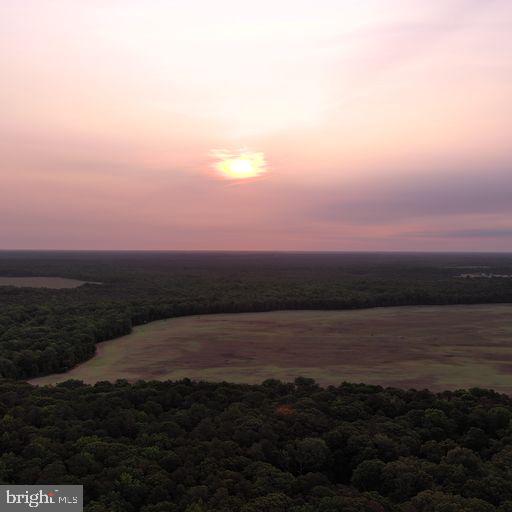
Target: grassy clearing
column 41, row 282
column 439, row 347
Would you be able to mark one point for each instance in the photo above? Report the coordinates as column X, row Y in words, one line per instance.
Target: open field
column 41, row 282
column 439, row 347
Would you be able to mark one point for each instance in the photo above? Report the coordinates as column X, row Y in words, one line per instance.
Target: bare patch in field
column 42, row 282
column 439, row 347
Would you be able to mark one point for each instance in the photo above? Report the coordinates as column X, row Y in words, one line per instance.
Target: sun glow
column 240, row 165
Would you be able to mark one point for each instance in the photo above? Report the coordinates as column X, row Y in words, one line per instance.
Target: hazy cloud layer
column 465, row 233
column 438, row 194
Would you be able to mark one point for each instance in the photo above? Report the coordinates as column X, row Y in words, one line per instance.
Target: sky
column 374, row 124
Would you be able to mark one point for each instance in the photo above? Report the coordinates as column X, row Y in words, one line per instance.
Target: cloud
column 395, row 198
column 464, row 233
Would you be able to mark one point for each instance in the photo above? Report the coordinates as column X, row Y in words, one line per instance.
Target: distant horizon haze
column 251, row 251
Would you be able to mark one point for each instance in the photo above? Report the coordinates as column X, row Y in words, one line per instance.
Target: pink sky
column 385, row 124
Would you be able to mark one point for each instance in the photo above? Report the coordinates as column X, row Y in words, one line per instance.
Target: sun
column 240, row 165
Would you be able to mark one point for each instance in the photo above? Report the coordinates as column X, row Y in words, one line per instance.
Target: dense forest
column 275, row 447
column 45, row 331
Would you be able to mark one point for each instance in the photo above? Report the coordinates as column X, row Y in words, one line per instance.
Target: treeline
column 46, row 331
column 276, row 447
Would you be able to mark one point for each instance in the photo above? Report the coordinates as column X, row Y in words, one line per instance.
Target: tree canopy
column 185, row 446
